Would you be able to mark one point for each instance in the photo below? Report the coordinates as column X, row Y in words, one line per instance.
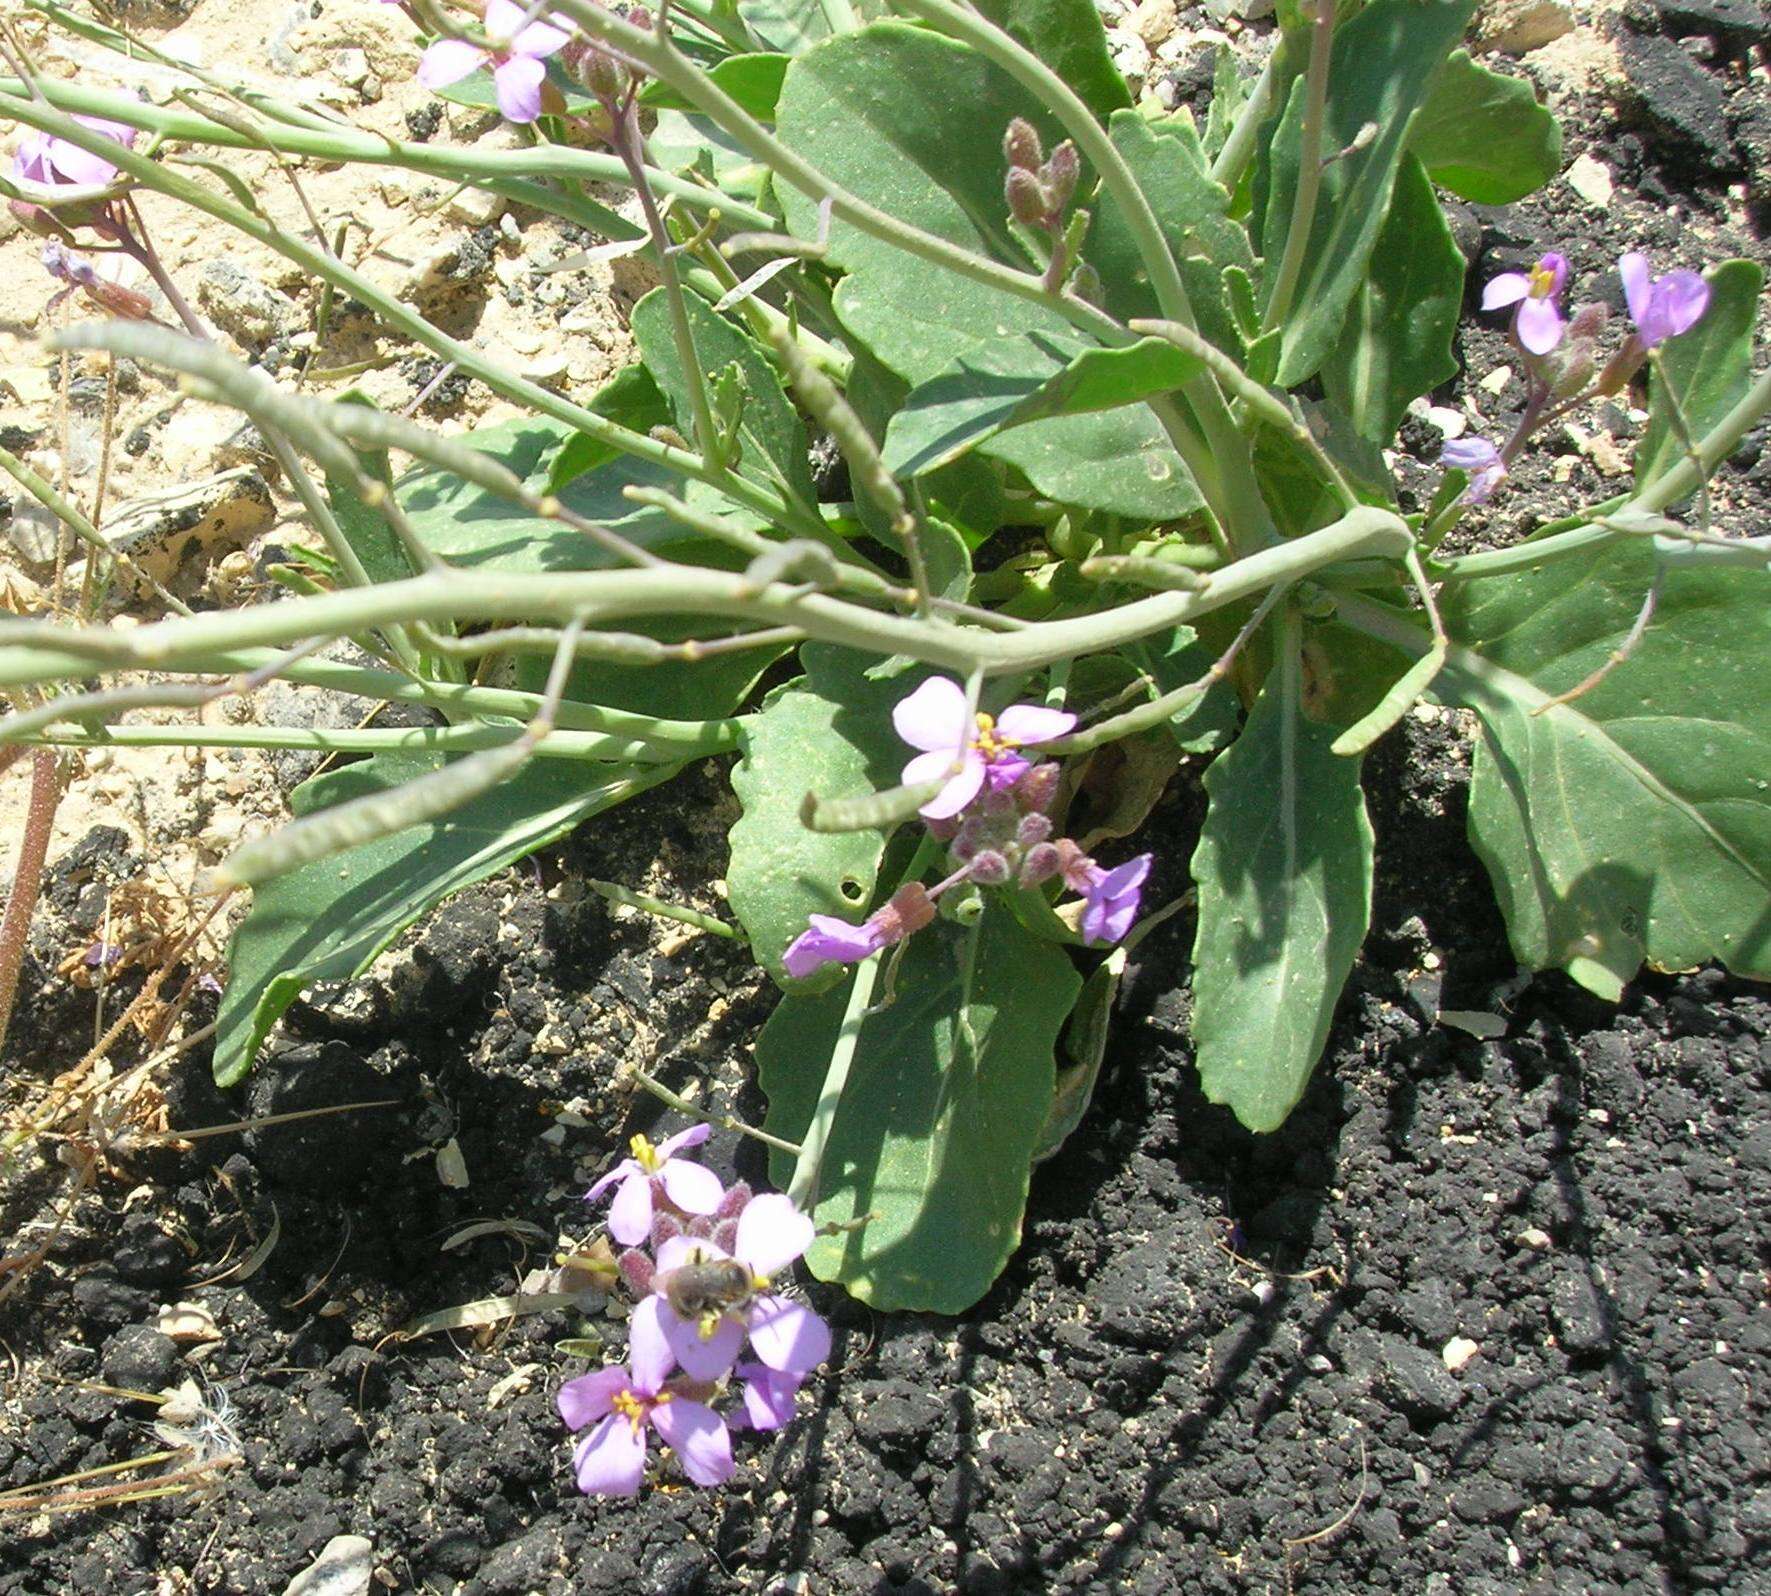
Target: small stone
column 345, row 1567
column 1497, row 379
column 1591, row 180
column 1517, row 27
column 1679, row 101
column 1154, row 21
column 1583, row 1321
column 1131, row 56
column 1263, row 1292
column 476, row 207
column 1534, row 1240
column 241, row 306
column 1457, row 1352
column 1419, row 1382
column 139, row 1359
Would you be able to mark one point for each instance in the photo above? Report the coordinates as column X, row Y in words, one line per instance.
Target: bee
column 707, row 1288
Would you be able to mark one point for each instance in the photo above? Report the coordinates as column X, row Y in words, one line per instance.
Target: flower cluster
column 1561, row 352
column 516, row 50
column 993, row 812
column 706, row 1288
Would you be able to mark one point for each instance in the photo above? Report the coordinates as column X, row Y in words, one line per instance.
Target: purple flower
column 51, row 162
column 655, row 1171
column 1111, row 901
column 611, row 1459
column 829, row 940
column 933, row 718
column 1481, row 459
column 516, row 51
column 768, row 1396
column 1661, row 307
column 705, row 1306
column 1538, row 322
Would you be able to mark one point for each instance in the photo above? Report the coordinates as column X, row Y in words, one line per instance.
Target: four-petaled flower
column 1481, row 459
column 1661, row 307
column 653, row 1170
column 934, row 719
column 828, row 940
column 517, row 51
column 611, row 1459
column 786, row 1336
column 1110, row 901
column 1538, row 322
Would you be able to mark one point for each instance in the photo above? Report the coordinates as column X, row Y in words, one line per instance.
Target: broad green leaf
column 1396, row 344
column 1085, row 1044
column 1067, row 35
column 997, row 386
column 365, row 529
column 1484, row 136
column 1707, row 368
column 1283, row 870
column 1171, row 169
column 935, row 1135
column 828, row 733
column 1228, row 95
column 329, row 920
column 1633, row 823
column 771, row 433
column 1384, row 62
column 882, row 111
column 790, row 26
column 754, row 81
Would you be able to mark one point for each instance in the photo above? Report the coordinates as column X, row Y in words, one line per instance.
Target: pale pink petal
column 958, row 792
column 694, row 1136
column 611, row 1460
column 1028, row 723
column 693, row 1188
column 648, row 1343
column 122, row 132
column 680, row 1250
column 787, row 1336
column 518, row 82
column 591, row 1396
column 1507, row 289
column 539, row 39
column 1540, row 325
column 1637, row 283
column 699, row 1438
column 933, row 718
column 621, row 1171
column 701, row 1357
column 768, row 1396
column 79, row 166
column 449, row 61
column 772, row 1232
column 630, row 1215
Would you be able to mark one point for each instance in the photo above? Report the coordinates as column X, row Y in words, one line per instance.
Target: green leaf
column 791, row 26
column 1283, row 869
column 1635, row 821
column 329, row 920
column 365, row 529
column 882, row 111
column 1707, row 368
column 1067, row 35
column 1209, row 722
column 772, row 435
column 754, row 81
column 993, row 387
column 1383, row 65
column 829, row 733
column 1085, row 1042
column 948, row 1095
column 1228, row 95
column 1484, row 136
column 1396, row 344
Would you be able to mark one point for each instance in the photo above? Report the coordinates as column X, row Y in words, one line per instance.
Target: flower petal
column 1680, row 299
column 449, row 61
column 699, row 1438
column 768, row 1396
column 1540, row 325
column 694, row 1136
column 828, row 940
column 700, row 1357
column 772, row 1232
column 1637, row 283
column 958, row 792
column 621, row 1171
column 630, row 1215
column 648, row 1343
column 591, row 1396
column 692, row 1187
column 1507, row 289
column 680, row 1250
column 539, row 39
column 1030, row 723
column 75, row 165
column 933, row 718
column 518, row 83
column 1126, row 877
column 611, row 1460
column 787, row 1336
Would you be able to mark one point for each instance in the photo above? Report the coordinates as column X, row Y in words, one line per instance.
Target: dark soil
column 1219, row 1361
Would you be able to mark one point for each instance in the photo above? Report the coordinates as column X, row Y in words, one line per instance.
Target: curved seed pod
column 825, row 401
column 1145, row 572
column 876, row 810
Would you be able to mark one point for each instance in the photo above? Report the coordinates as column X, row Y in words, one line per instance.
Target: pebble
column 1419, row 1382
column 1591, row 180
column 1457, row 1352
column 139, row 1359
column 1517, row 27
column 345, row 1567
column 241, row 305
column 1534, row 1240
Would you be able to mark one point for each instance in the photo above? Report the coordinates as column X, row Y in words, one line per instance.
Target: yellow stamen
column 645, row 1154
column 1542, row 282
column 631, row 1408
column 989, row 742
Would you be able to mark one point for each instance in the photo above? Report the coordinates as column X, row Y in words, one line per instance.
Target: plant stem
column 802, row 1190
column 27, row 878
column 647, row 904
column 1309, row 175
column 1238, row 148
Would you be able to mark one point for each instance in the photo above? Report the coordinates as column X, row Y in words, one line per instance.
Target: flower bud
column 597, row 70
column 1033, row 829
column 1588, row 321
column 1576, row 371
column 1036, row 789
column 1025, row 197
column 1040, row 864
column 1621, row 367
column 639, row 17
column 989, row 868
column 963, row 905
column 1060, row 174
column 908, row 910
column 945, row 829
column 737, row 1195
column 1077, row 869
column 636, row 1269
column 665, row 1227
column 1020, row 145
column 723, row 1234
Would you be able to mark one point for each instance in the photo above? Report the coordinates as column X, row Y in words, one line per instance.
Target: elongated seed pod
column 1404, row 693
column 875, row 811
column 1145, row 572
column 825, row 401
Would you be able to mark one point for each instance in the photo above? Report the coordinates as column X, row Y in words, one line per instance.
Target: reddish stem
column 27, row 878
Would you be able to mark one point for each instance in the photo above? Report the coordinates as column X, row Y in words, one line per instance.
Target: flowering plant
column 1106, row 409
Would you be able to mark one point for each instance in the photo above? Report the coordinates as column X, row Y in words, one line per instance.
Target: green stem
column 681, row 913
column 1238, row 148
column 803, row 1188
column 1309, row 177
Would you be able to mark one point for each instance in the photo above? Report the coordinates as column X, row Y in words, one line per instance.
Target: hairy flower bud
column 1040, row 864
column 908, row 910
column 1589, row 321
column 989, row 868
column 1036, row 789
column 597, row 70
column 1060, row 174
column 665, row 1227
column 1621, row 367
column 636, row 1269
column 1025, row 197
column 1033, row 829
column 1576, row 369
column 1020, row 145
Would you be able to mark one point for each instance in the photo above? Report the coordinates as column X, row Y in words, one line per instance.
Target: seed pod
column 1020, row 145
column 1025, row 197
column 1060, row 174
